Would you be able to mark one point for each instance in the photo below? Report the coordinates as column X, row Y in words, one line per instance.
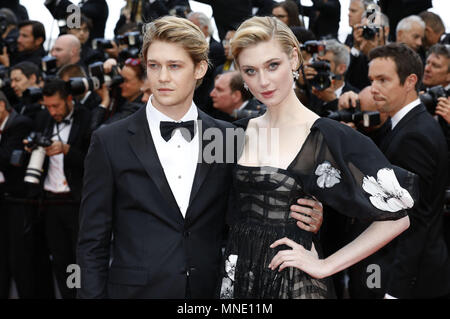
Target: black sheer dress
column 336, row 165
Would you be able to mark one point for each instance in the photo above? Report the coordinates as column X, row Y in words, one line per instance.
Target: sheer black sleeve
column 345, row 170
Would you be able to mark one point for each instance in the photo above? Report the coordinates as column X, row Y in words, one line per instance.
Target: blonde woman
column 290, row 152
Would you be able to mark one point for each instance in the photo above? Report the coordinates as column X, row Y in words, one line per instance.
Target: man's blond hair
column 178, row 31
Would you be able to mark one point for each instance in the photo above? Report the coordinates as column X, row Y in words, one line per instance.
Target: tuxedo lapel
column 202, row 167
column 142, row 144
column 390, row 137
column 75, row 128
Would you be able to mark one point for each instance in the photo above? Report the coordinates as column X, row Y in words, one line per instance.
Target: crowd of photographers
column 50, row 102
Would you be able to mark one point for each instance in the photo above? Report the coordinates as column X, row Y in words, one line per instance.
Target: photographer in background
column 123, row 96
column 22, row 243
column 9, row 34
column 96, row 10
column 67, row 131
column 25, row 77
column 67, row 50
column 411, row 31
column 324, row 17
column 369, row 34
column 30, row 43
column 332, row 66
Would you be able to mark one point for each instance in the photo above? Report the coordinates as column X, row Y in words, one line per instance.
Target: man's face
column 26, row 40
column 62, row 51
column 355, row 12
column 389, row 95
column 221, row 94
column 172, row 74
column 19, row 82
column 436, row 71
column 57, row 106
column 413, row 37
column 81, row 33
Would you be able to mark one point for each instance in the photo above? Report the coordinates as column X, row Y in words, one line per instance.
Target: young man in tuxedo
column 416, row 264
column 147, row 184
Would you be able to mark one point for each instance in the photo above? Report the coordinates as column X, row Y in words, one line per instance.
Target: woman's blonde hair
column 179, row 31
column 262, row 29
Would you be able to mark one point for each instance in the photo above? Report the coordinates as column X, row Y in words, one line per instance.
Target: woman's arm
column 377, row 235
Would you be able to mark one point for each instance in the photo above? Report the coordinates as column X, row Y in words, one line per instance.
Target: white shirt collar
column 243, row 105
column 403, row 111
column 338, row 92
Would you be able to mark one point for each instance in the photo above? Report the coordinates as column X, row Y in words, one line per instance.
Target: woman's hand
column 298, row 257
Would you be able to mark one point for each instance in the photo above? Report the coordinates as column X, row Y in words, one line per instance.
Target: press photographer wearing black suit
column 22, row 227
column 366, row 36
column 25, row 78
column 30, row 43
column 67, row 130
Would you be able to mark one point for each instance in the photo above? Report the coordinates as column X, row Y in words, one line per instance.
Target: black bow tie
column 187, row 129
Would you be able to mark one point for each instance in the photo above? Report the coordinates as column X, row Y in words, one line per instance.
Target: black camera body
column 314, row 47
column 37, row 142
column 430, row 98
column 356, row 116
column 369, row 32
column 133, row 41
column 36, row 139
column 322, row 79
column 97, row 77
column 101, row 44
column 32, row 95
column 48, row 65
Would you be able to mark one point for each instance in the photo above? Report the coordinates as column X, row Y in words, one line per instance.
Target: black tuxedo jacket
column 156, row 253
column 419, row 262
column 79, row 138
column 16, row 129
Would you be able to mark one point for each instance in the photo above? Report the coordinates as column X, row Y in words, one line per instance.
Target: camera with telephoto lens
column 430, row 98
column 314, row 47
column 48, row 65
column 97, row 76
column 322, row 79
column 101, row 44
column 32, row 95
column 8, row 42
column 356, row 116
column 37, row 143
column 133, row 41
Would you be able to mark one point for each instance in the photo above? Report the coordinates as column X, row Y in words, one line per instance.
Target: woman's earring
column 295, row 75
column 245, row 86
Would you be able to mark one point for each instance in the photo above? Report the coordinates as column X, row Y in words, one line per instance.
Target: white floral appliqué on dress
column 387, row 194
column 328, row 175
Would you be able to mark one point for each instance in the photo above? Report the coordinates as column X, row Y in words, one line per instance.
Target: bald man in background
column 67, row 50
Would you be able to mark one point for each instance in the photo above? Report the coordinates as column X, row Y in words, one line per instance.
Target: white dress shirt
column 56, row 181
column 178, row 157
column 403, row 111
column 2, row 127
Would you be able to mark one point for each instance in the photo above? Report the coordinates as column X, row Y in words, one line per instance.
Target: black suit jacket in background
column 156, row 252
column 418, row 264
column 16, row 129
column 79, row 138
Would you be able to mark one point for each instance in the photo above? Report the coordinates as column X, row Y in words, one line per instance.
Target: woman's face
column 131, row 84
column 267, row 70
column 281, row 14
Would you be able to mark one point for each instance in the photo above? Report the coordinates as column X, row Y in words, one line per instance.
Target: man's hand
column 348, row 100
column 443, row 108
column 56, row 148
column 4, row 57
column 308, row 213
